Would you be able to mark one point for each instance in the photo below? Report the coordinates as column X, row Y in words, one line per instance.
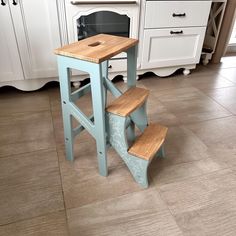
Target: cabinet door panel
column 163, row 48
column 10, row 65
column 38, row 34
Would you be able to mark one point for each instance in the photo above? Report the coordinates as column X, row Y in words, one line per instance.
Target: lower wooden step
column 128, row 102
column 148, row 143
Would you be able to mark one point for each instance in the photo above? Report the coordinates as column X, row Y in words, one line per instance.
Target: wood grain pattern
column 149, row 142
column 30, row 186
column 97, row 48
column 53, row 224
column 136, row 214
column 128, row 102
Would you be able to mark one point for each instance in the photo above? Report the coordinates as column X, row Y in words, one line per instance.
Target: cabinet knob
column 3, row 3
column 110, row 66
column 14, row 2
column 179, row 15
column 176, row 32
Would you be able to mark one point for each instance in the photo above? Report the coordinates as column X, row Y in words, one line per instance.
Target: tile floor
column 192, row 191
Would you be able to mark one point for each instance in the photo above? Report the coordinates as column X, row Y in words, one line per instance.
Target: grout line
column 194, row 177
column 59, row 169
column 168, row 208
column 207, row 120
column 220, row 104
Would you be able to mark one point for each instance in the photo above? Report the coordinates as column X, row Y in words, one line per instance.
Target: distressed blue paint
column 132, row 66
column 112, row 88
column 80, row 92
column 117, row 137
column 161, row 152
column 99, row 116
column 104, row 76
column 82, row 118
column 139, row 117
column 96, row 129
column 65, row 99
column 80, row 128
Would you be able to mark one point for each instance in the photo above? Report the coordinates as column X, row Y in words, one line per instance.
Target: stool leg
column 99, row 116
column 69, row 141
column 131, row 78
column 131, row 66
column 65, row 90
column 161, row 152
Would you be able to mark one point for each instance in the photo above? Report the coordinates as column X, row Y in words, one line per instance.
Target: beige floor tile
column 209, row 81
column 219, row 133
column 229, row 73
column 26, row 132
column 225, row 97
column 84, row 102
column 156, row 84
column 182, row 146
column 204, row 206
column 19, row 102
column 59, row 131
column 29, row 186
column 83, row 186
column 190, row 105
column 162, row 173
column 222, row 95
column 55, row 98
column 142, row 213
column 202, row 70
column 85, row 155
column 226, row 62
column 166, row 118
column 158, row 113
column 185, row 156
column 197, row 193
column 223, row 156
column 53, row 224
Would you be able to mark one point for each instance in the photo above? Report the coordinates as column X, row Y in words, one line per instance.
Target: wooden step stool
column 129, row 109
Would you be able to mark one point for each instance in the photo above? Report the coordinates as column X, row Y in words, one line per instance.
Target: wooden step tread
column 128, row 102
column 97, row 48
column 148, row 143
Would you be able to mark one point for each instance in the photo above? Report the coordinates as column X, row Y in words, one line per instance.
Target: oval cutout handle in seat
column 95, row 44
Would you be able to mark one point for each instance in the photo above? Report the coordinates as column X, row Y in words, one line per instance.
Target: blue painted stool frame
column 96, row 124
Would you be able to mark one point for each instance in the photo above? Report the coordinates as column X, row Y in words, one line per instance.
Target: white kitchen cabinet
column 10, row 64
column 31, row 33
column 175, row 46
column 172, row 35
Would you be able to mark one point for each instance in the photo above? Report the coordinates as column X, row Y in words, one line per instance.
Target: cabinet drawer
column 172, row 47
column 162, row 14
column 117, row 65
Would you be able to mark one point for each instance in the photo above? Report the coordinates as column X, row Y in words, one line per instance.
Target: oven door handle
column 103, row 2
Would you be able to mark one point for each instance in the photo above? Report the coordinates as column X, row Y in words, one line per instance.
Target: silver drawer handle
column 102, row 2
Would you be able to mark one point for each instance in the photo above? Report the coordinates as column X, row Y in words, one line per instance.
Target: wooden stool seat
column 98, row 48
column 128, row 102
